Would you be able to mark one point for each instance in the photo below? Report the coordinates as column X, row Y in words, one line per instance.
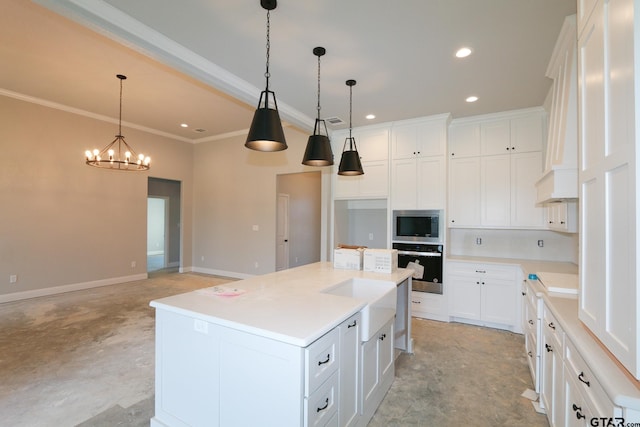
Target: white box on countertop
column 381, row 260
column 347, row 259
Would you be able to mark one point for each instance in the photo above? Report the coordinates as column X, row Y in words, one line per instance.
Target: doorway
column 298, row 219
column 157, row 231
column 164, row 234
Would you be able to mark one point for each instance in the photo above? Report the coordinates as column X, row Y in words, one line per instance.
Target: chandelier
column 118, row 155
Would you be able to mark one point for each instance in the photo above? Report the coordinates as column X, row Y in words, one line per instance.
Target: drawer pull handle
column 416, row 302
column 576, row 407
column 552, row 326
column 326, row 361
column 382, row 337
column 326, row 405
column 579, row 415
column 581, row 378
column 481, row 271
column 548, row 347
column 524, row 293
column 530, row 322
column 355, row 322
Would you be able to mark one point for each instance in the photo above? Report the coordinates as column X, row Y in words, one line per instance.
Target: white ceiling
column 202, row 62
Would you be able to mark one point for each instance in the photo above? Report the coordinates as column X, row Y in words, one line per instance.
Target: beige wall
column 235, row 189
column 65, row 224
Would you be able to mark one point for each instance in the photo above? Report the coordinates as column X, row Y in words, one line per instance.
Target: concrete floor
column 87, row 358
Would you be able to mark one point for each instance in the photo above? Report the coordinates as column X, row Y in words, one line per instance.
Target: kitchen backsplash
column 525, row 244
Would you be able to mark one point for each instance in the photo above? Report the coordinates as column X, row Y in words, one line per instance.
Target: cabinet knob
column 355, row 322
column 530, row 322
column 513, row 148
column 524, row 293
column 552, row 326
column 561, row 222
column 507, row 148
column 453, row 154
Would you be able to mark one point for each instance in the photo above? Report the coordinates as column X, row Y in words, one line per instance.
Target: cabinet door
column 465, row 297
column 404, row 184
column 373, row 144
column 499, row 301
column 495, row 198
column 369, row 368
column 385, row 349
column 347, row 186
column 375, row 181
column 464, row 192
column 527, row 133
column 464, row 141
column 404, row 141
column 431, row 183
column 526, row 169
column 495, row 137
column 349, row 364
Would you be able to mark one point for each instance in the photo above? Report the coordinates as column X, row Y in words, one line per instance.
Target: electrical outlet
column 255, row 264
column 478, row 240
column 133, row 264
column 370, row 236
column 255, row 228
column 541, row 243
column 13, row 278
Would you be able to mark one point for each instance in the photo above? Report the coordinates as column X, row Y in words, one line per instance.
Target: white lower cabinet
column 552, row 380
column 211, row 375
column 429, row 306
column 349, row 365
column 377, row 370
column 585, row 397
column 485, row 294
column 531, row 329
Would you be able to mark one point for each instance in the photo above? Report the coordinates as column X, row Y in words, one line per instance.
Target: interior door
column 282, row 232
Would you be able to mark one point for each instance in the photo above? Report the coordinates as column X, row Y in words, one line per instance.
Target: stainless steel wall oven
column 418, row 235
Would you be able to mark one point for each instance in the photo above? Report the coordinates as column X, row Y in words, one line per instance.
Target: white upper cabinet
column 373, row 147
column 492, row 173
column 418, row 168
column 608, row 177
column 419, row 138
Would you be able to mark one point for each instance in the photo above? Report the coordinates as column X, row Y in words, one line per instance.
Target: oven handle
column 410, row 253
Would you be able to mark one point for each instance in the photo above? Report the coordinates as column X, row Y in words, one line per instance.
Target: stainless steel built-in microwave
column 418, row 226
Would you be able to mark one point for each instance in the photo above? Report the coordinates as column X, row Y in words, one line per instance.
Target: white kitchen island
column 284, row 352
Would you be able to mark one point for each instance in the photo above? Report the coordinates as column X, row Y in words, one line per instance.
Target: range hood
column 559, row 182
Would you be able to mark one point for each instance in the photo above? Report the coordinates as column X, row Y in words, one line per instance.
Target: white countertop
column 619, row 385
column 287, row 305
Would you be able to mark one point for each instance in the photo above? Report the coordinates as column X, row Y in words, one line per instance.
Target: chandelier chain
column 120, row 114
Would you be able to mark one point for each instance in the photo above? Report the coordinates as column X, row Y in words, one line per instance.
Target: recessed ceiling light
column 463, row 52
column 184, row 125
column 472, row 99
column 370, row 116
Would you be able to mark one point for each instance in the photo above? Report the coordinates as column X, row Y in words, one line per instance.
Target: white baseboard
column 16, row 296
column 223, row 273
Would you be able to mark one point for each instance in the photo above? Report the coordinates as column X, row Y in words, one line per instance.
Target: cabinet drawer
column 493, row 271
column 530, row 319
column 533, row 359
column 322, row 405
column 321, row 360
column 586, row 382
column 531, row 295
column 552, row 328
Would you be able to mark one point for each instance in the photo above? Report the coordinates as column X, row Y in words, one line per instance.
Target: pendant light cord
column 350, row 114
column 318, row 87
column 267, row 74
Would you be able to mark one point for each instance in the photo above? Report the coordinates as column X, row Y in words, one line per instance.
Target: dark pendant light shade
column 318, row 151
column 350, row 164
column 266, row 132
